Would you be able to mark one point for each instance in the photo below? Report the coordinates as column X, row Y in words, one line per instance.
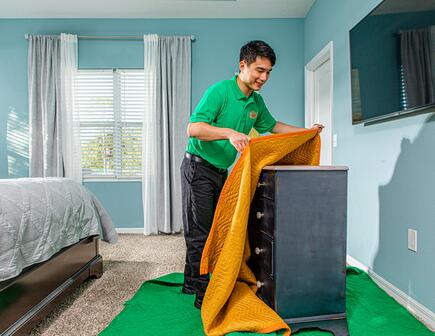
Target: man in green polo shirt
column 217, row 130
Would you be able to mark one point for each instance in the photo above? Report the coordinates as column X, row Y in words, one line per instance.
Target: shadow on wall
column 17, row 134
column 408, row 201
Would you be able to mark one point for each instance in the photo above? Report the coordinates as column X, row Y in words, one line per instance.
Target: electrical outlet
column 412, row 240
column 334, row 140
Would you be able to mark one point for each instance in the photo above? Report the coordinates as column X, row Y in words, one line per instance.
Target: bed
column 49, row 234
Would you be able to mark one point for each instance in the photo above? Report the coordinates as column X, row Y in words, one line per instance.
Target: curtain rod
column 109, row 37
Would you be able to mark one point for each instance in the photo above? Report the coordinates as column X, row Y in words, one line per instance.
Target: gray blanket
column 40, row 216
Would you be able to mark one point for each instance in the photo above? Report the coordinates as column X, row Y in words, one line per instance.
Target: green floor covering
column 159, row 309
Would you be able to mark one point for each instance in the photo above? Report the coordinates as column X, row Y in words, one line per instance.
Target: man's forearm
column 207, row 132
column 281, row 127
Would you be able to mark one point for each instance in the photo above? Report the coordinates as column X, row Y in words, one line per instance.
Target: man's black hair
column 252, row 49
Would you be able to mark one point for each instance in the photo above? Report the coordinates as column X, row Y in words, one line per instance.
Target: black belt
column 205, row 163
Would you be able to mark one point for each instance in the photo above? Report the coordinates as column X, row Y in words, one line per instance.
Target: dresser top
column 294, row 167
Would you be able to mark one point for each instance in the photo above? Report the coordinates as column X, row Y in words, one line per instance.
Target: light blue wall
column 391, row 166
column 214, row 57
column 123, row 200
column 391, row 177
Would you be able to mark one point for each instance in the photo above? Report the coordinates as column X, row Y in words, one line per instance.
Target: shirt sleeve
column 209, row 107
column 265, row 122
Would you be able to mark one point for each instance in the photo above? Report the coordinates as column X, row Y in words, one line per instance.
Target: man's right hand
column 238, row 140
column 206, row 132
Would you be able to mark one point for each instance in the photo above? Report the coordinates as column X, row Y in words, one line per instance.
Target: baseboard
column 353, row 262
column 130, row 230
column 422, row 313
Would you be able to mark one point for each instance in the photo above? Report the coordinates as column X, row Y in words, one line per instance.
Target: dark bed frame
column 26, row 299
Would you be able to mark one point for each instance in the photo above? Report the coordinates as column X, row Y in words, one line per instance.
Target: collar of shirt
column 239, row 94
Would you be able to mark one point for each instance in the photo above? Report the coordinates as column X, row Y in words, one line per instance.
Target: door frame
column 324, row 55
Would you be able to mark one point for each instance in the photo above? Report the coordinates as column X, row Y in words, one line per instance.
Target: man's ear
column 242, row 65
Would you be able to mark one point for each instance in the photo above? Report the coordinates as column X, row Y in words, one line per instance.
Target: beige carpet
column 94, row 304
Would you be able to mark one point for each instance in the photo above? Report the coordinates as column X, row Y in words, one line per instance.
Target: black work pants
column 201, row 185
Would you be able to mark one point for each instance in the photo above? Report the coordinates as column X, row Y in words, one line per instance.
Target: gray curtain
column 44, row 90
column 167, row 67
column 417, row 69
column 432, row 52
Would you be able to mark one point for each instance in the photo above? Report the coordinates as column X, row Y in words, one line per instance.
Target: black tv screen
column 392, row 54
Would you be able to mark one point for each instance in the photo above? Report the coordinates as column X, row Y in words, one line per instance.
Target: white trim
column 309, row 90
column 422, row 313
column 109, row 179
column 353, row 262
column 130, row 230
column 324, row 55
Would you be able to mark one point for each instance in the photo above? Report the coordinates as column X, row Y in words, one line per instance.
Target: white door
column 318, row 97
column 322, row 109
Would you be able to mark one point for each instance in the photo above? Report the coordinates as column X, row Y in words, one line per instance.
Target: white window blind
column 110, row 107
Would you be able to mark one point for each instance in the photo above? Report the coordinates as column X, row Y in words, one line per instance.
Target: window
column 110, row 106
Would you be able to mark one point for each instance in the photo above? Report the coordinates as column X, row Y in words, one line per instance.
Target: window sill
column 111, row 179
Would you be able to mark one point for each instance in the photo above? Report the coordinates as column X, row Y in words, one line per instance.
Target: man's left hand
column 318, row 127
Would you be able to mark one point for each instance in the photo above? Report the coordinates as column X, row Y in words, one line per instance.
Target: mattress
column 40, row 216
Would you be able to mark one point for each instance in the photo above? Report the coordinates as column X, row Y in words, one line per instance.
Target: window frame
column 117, row 127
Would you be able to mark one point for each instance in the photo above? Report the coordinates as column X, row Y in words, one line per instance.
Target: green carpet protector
column 159, row 309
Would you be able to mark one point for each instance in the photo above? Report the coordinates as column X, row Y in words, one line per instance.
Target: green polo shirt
column 225, row 105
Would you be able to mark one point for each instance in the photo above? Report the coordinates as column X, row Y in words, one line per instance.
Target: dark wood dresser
column 297, row 232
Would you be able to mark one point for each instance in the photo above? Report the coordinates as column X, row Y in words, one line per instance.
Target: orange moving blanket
column 230, row 303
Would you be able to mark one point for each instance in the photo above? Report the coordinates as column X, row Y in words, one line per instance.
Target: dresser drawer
column 263, row 215
column 262, row 254
column 266, row 289
column 266, row 185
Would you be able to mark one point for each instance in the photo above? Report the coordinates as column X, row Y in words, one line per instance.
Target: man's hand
column 238, row 140
column 318, row 127
column 206, row 132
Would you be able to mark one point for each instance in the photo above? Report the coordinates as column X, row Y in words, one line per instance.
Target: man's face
column 256, row 74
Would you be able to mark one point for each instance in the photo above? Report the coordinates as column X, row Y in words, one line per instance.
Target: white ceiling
column 404, row 6
column 154, row 8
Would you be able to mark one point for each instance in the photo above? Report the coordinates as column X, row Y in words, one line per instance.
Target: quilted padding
column 230, row 303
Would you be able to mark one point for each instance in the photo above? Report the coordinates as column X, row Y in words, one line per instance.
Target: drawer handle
column 259, row 215
column 261, row 184
column 258, row 250
column 260, row 284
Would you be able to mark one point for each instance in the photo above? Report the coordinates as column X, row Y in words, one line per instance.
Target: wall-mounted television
column 392, row 55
